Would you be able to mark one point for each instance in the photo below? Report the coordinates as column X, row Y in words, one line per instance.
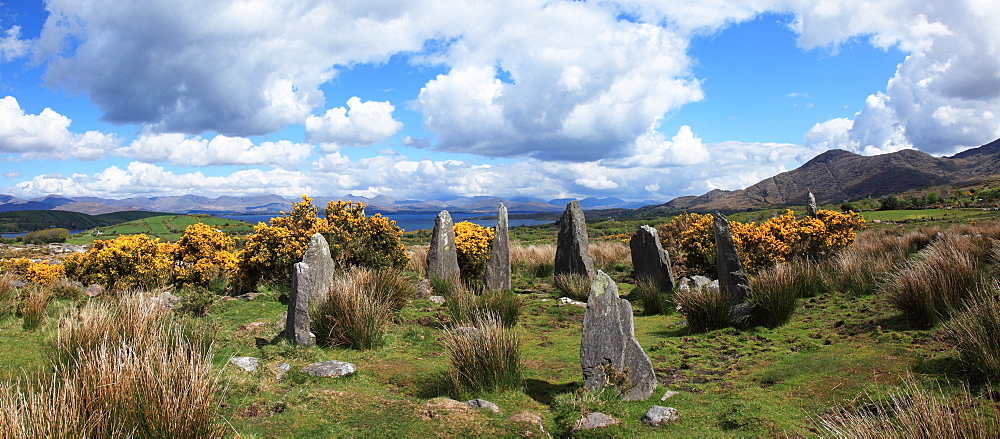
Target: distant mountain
column 836, row 176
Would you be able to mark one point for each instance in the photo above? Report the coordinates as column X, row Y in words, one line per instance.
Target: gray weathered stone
column 650, row 261
column 668, row 394
column 594, row 420
column 321, row 266
column 329, row 369
column 483, row 404
column 659, row 415
column 498, row 267
column 424, row 289
column 442, row 257
column 572, row 248
column 609, row 343
column 733, row 282
column 811, row 208
column 281, row 370
column 297, row 326
column 437, row 299
column 248, row 364
column 94, row 290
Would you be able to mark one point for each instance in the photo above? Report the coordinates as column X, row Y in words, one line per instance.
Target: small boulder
column 659, row 415
column 330, row 369
column 93, row 290
column 482, row 403
column 595, row 420
column 437, row 299
column 283, row 369
column 424, row 289
column 531, row 419
column 568, row 301
column 248, row 364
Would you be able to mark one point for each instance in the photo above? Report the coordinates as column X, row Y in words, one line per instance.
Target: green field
column 31, row 220
column 165, row 227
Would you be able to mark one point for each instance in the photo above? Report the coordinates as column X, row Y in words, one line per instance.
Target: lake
column 407, row 221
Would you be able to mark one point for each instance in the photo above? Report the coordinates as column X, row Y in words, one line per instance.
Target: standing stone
column 498, row 267
column 650, row 261
column 442, row 257
column 811, row 208
column 297, row 323
column 733, row 282
column 321, row 266
column 572, row 250
column 609, row 344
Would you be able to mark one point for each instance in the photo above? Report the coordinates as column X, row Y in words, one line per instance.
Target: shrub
column 932, row 287
column 203, row 255
column 975, row 331
column 195, row 300
column 123, row 263
column 653, row 300
column 914, row 412
column 41, row 272
column 46, row 236
column 358, row 309
column 575, row 286
column 704, row 308
column 484, row 358
column 363, row 241
column 473, row 243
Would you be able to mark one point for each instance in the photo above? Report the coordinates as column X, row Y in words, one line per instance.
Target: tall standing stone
column 650, row 261
column 572, row 249
column 498, row 267
column 297, row 328
column 733, row 281
column 608, row 349
column 442, row 257
column 811, row 208
column 321, row 266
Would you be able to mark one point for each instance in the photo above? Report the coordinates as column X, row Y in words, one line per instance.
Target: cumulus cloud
column 360, row 124
column 221, row 150
column 11, row 44
column 47, row 135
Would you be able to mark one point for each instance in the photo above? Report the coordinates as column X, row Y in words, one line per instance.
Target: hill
column 837, row 176
column 30, row 220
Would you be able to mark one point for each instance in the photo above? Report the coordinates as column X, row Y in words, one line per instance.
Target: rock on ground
column 483, row 404
column 329, row 369
column 248, row 364
column 659, row 415
column 594, row 420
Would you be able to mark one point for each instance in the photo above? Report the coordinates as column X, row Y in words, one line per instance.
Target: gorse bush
column 202, row 256
column 484, row 358
column 354, row 239
column 933, row 286
column 123, row 263
column 473, row 244
column 358, row 309
column 42, row 272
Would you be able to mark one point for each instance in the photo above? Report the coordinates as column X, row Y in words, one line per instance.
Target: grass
column 483, row 358
column 574, row 286
column 359, row 307
column 165, row 227
column 652, row 299
column 975, row 332
column 705, row 308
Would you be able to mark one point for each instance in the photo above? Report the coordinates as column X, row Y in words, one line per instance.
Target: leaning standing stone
column 321, row 266
column 609, row 352
column 297, row 323
column 572, row 249
column 733, row 282
column 498, row 267
column 650, row 261
column 442, row 257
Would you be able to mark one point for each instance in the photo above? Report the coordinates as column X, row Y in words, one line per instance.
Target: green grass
column 165, row 227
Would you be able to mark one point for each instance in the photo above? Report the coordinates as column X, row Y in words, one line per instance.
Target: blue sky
column 642, row 100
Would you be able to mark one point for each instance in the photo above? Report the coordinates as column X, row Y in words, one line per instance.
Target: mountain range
column 834, row 176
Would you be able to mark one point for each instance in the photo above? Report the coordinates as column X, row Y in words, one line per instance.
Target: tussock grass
column 359, row 307
column 117, row 375
column 705, row 308
column 975, row 331
column 8, row 294
column 653, row 300
column 859, row 269
column 610, row 256
column 484, row 358
column 930, row 288
column 469, row 308
column 35, row 301
column 775, row 289
column 418, row 260
column 914, row 412
column 536, row 260
column 574, row 286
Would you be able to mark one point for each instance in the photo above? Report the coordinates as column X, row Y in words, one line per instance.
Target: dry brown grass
column 535, row 261
column 418, row 260
column 35, row 300
column 610, row 256
column 574, row 286
column 975, row 332
column 484, row 358
column 859, row 269
column 358, row 309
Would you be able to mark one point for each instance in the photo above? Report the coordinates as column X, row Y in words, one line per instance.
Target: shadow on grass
column 544, row 391
column 678, row 331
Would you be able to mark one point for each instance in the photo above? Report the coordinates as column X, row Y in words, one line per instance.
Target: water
column 407, row 221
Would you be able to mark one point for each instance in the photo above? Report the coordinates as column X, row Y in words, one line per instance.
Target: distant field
column 31, row 220
column 931, row 217
column 165, row 227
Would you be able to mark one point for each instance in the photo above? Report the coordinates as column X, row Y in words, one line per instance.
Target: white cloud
column 221, row 150
column 11, row 174
column 360, row 124
column 11, row 44
column 47, row 135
